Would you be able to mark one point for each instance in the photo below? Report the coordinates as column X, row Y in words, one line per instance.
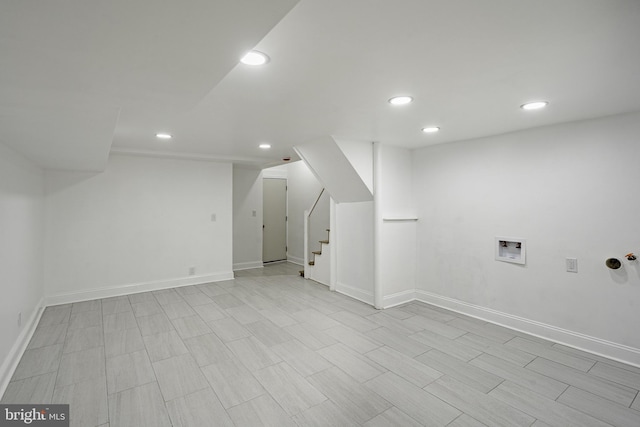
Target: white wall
column 303, row 189
column 142, row 223
column 247, row 228
column 334, row 170
column 354, row 229
column 360, row 155
column 21, row 253
column 397, row 228
column 571, row 190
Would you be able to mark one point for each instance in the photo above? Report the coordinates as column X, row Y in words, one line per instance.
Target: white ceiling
column 80, row 78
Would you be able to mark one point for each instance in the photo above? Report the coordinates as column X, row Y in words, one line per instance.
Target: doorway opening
column 274, row 225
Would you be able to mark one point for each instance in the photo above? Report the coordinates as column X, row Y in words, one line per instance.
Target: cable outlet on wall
column 572, row 265
column 192, row 271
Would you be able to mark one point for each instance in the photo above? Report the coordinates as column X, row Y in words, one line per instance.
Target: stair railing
column 307, row 223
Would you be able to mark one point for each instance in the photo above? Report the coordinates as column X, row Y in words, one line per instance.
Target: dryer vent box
column 511, row 249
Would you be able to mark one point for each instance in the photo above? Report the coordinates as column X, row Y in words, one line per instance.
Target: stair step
column 316, row 252
column 312, row 263
column 325, row 242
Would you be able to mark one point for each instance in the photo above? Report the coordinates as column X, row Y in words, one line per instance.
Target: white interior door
column 274, row 228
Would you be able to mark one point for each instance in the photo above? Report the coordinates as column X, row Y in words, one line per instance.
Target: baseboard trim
column 295, row 260
column 15, row 354
column 247, row 265
column 355, row 293
column 597, row 346
column 136, row 288
column 389, row 301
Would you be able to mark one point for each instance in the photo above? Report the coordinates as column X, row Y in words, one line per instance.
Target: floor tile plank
column 539, row 407
column 311, row 337
column 348, row 394
column 446, row 345
column 260, row 411
column 598, row 386
column 405, row 366
column 164, row 345
column 81, row 365
column 301, row 358
column 600, row 408
column 138, row 407
column 179, row 376
column 532, row 380
column 616, row 375
column 36, row 389
column 122, row 342
column 207, row 349
column 253, row 354
column 471, row 375
column 232, row 382
column 392, row 417
column 129, row 370
column 358, row 366
column 154, row 324
column 322, row 415
column 87, row 402
column 352, row 339
column 550, row 354
column 495, row 348
column 415, row 402
column 200, row 408
column 288, row 388
column 478, row 405
column 399, row 342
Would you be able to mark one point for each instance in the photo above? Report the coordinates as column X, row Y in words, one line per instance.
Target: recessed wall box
column 511, row 249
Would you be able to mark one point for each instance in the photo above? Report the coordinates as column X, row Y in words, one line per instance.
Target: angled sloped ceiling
column 334, row 170
column 73, row 71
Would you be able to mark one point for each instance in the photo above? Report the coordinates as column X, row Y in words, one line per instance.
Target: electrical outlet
column 213, row 218
column 192, row 271
column 572, row 265
column 253, row 213
column 20, row 319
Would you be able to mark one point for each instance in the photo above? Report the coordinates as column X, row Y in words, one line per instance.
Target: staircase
column 322, row 242
column 316, row 253
column 316, row 223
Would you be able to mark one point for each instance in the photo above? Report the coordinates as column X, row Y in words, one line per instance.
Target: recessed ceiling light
column 534, row 105
column 430, row 129
column 265, row 146
column 255, row 58
column 400, row 100
column 163, row 136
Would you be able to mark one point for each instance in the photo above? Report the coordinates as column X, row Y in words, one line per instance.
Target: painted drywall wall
column 303, row 190
column 570, row 190
column 21, row 252
column 334, row 170
column 397, row 226
column 144, row 222
column 354, row 245
column 360, row 155
column 247, row 218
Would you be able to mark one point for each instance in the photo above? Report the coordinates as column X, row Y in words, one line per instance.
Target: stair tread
column 316, row 252
column 326, row 242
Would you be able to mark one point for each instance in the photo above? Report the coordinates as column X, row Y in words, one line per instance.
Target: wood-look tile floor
column 271, row 349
